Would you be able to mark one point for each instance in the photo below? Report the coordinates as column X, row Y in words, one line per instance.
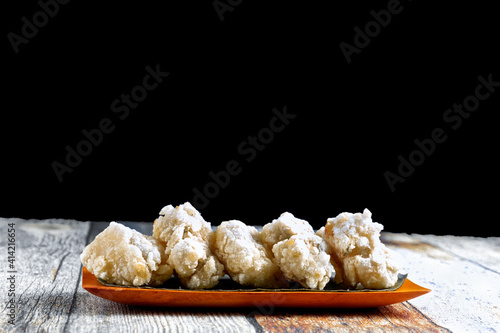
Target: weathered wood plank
column 484, row 252
column 465, row 295
column 92, row 314
column 392, row 318
column 48, row 267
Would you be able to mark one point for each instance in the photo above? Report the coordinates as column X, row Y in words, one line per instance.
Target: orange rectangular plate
column 242, row 298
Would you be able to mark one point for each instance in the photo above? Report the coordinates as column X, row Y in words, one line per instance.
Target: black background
column 352, row 120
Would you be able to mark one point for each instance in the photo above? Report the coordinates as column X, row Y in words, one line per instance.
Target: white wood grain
column 478, row 250
column 48, row 266
column 465, row 296
column 93, row 314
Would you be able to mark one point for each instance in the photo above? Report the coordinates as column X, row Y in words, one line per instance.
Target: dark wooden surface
column 461, row 271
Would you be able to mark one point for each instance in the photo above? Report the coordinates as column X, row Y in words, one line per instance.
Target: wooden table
column 463, row 273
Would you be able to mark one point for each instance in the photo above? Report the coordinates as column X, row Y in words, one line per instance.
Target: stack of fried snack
column 287, row 250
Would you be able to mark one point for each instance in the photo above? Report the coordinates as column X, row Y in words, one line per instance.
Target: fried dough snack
column 359, row 257
column 189, row 243
column 246, row 260
column 124, row 256
column 303, row 259
column 283, row 228
column 300, row 254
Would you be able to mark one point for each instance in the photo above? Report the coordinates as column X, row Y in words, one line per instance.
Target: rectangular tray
column 242, row 298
